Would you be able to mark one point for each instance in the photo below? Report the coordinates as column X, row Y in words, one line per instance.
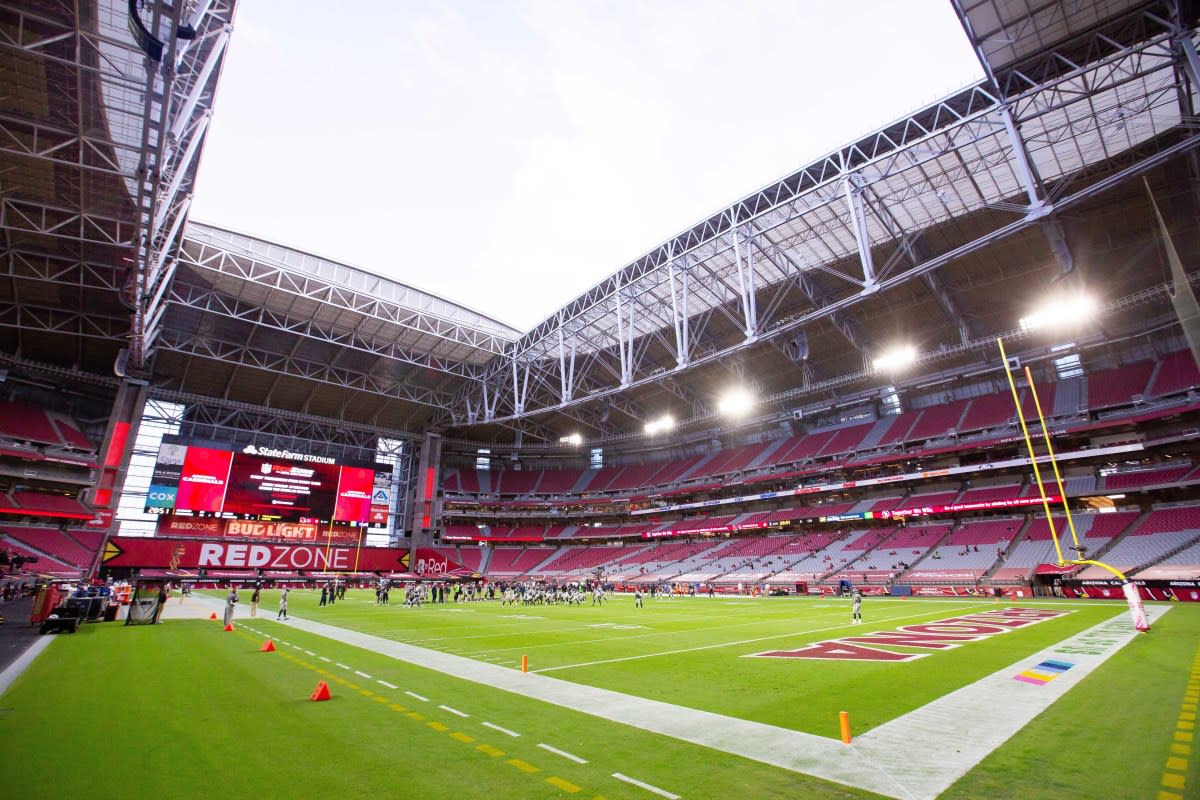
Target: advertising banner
column 194, row 554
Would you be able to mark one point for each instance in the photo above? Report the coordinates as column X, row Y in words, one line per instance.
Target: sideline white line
column 417, row 696
column 388, row 685
column 323, row 658
column 646, row 786
column 861, row 765
column 362, row 674
column 792, row 635
column 495, row 727
column 23, row 661
column 343, row 666
column 309, row 653
column 454, row 711
column 563, row 753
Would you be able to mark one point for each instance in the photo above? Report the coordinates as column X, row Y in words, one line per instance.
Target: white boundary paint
column 22, row 661
column 883, row 760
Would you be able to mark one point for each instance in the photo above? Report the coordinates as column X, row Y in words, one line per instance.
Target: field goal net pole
column 1137, row 611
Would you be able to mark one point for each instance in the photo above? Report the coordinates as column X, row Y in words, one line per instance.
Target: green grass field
column 188, row 709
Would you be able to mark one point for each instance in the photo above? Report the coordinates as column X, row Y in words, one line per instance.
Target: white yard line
column 646, row 786
column 388, row 685
column 416, row 696
column 496, row 727
column 563, row 753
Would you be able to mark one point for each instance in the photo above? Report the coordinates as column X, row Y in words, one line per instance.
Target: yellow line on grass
column 566, row 786
column 1176, row 767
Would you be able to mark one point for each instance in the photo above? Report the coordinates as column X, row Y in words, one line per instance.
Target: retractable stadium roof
column 939, row 229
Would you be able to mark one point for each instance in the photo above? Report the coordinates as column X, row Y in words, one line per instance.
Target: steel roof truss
column 221, row 304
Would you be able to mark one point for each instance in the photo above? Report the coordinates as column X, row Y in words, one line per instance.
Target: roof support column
column 679, row 313
column 858, row 222
column 745, row 273
column 1021, row 163
column 566, row 369
column 624, row 340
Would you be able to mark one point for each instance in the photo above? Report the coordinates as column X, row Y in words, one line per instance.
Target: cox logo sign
column 160, row 497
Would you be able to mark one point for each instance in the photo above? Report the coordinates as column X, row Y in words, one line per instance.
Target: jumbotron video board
column 259, row 483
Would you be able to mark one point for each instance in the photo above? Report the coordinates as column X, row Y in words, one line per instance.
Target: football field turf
column 191, row 709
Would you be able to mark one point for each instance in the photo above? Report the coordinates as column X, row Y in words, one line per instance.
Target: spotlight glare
column 572, row 439
column 897, row 358
column 664, row 423
column 736, row 403
column 1061, row 312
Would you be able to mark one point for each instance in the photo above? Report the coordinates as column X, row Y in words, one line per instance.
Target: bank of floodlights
column 1064, row 311
column 661, row 425
column 896, row 359
column 736, row 403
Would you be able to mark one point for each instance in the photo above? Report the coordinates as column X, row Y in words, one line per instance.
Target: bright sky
column 510, row 154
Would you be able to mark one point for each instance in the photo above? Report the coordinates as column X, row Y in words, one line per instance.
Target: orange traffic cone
column 321, row 692
column 268, row 647
column 213, row 615
column 229, row 627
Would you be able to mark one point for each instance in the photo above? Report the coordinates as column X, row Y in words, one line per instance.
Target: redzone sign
column 942, row 634
column 189, row 554
column 266, row 556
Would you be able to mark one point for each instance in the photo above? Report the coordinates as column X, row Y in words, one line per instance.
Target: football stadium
column 881, row 481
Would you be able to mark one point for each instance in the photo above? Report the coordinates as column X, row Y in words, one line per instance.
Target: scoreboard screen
column 265, row 484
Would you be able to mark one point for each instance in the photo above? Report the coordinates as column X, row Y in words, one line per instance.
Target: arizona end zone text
column 941, row 634
column 263, row 556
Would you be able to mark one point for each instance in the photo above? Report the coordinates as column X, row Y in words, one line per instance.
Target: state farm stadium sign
column 942, row 634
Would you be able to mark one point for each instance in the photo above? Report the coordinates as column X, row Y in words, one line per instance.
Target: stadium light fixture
column 571, row 439
column 664, row 423
column 896, row 359
column 736, row 402
column 1061, row 312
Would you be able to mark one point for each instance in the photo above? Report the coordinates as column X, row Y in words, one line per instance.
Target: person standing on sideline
column 637, row 597
column 254, row 598
column 230, row 604
column 856, row 606
column 324, row 594
column 283, row 593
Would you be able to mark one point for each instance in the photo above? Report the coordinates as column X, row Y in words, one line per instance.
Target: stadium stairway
column 8, row 541
column 1008, row 551
column 900, row 576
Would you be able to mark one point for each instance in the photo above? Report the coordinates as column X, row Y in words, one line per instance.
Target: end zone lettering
column 941, row 634
column 264, row 556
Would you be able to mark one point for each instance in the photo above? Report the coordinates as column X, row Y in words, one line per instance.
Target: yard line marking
column 323, row 658
column 524, row 766
column 416, row 696
column 489, row 750
column 385, row 683
column 731, row 644
column 309, row 653
column 362, row 674
column 495, row 727
column 298, row 647
column 454, row 711
column 646, row 786
column 343, row 666
column 563, row 753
